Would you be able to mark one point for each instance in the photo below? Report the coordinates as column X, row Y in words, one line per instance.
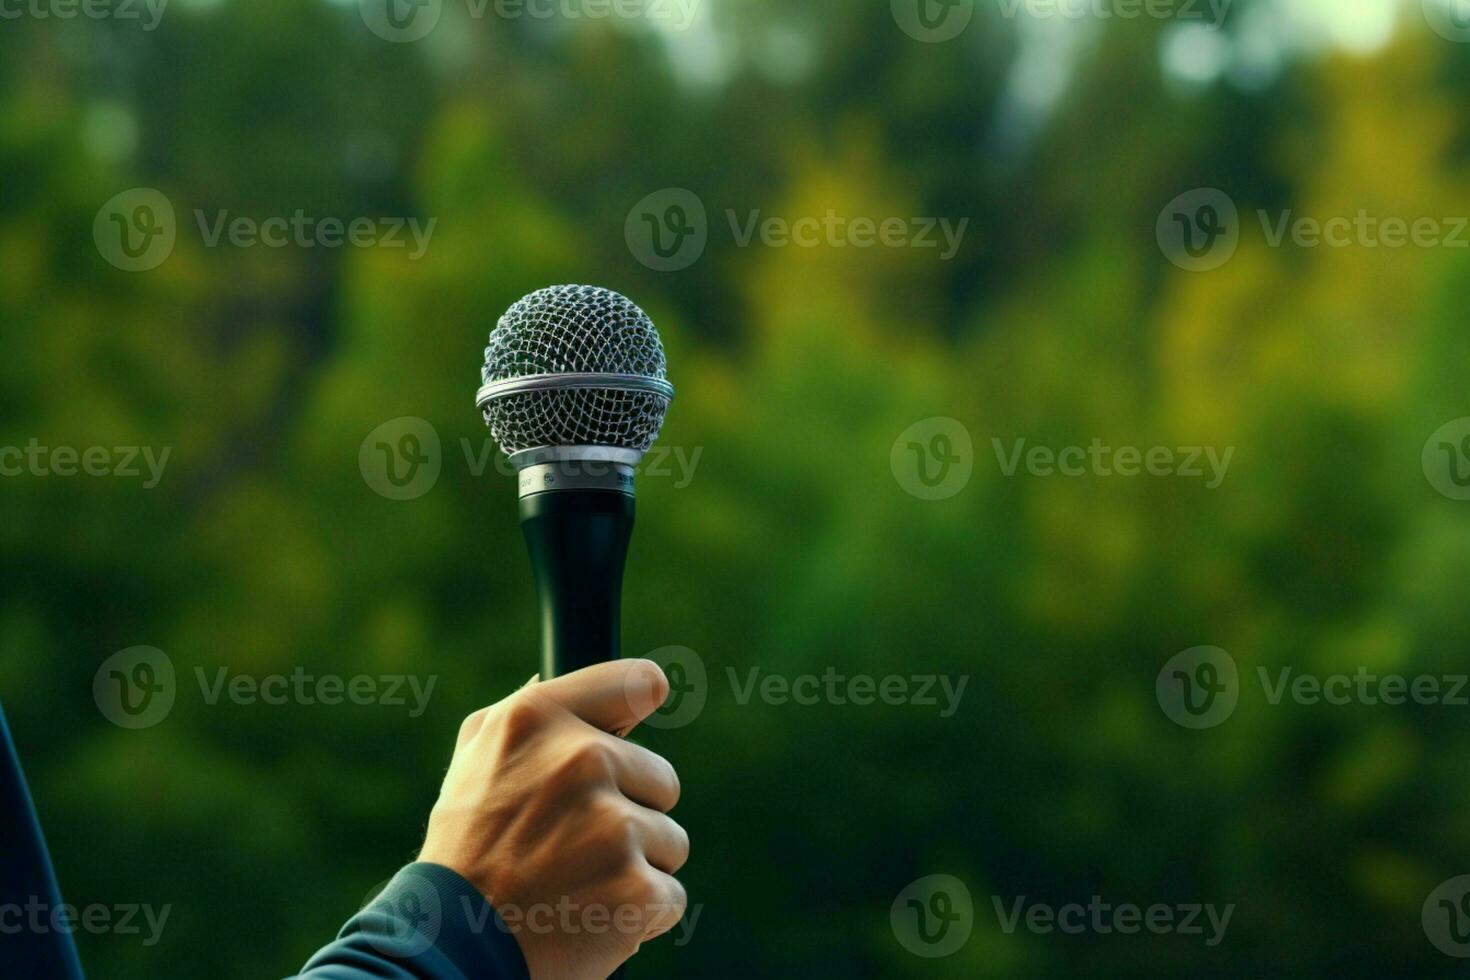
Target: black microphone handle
column 578, row 541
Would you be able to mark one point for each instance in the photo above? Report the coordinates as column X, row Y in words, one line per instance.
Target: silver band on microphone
column 553, row 468
column 553, row 382
column 576, row 474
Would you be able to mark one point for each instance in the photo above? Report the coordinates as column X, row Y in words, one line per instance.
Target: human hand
column 562, row 824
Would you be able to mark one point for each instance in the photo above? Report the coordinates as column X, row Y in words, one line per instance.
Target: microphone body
column 578, row 541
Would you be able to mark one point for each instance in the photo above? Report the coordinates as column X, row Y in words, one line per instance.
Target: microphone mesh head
column 575, row 330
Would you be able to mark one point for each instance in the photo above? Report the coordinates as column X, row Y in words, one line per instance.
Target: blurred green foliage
column 793, row 548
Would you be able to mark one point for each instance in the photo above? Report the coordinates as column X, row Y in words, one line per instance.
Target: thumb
column 611, row 697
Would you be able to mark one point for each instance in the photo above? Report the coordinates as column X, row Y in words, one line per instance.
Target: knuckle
column 616, row 830
column 570, row 777
column 588, row 760
column 678, row 900
column 683, row 844
column 521, row 717
column 472, row 723
column 606, row 810
column 668, row 908
column 675, row 784
column 642, row 887
column 665, row 777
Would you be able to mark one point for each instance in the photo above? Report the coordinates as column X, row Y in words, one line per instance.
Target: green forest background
column 793, row 548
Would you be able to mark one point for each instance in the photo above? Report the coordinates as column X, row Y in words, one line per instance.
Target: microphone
column 575, row 392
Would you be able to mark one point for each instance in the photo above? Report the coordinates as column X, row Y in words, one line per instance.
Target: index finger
column 611, row 697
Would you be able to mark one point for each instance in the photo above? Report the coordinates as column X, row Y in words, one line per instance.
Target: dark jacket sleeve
column 428, row 924
column 28, row 892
